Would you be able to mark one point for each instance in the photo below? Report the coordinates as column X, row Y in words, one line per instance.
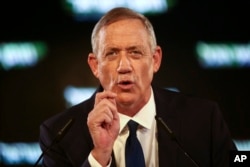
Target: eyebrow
column 134, row 47
column 127, row 48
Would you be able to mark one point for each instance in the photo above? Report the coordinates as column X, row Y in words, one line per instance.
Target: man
column 124, row 59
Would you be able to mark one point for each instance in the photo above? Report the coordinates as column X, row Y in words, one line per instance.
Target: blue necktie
column 133, row 150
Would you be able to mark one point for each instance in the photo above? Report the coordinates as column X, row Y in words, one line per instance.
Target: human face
column 125, row 63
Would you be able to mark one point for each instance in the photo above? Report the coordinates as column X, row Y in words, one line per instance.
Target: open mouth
column 125, row 84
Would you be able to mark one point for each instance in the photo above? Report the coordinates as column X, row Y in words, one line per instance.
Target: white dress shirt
column 146, row 134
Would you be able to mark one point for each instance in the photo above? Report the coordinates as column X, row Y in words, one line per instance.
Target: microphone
column 173, row 137
column 60, row 134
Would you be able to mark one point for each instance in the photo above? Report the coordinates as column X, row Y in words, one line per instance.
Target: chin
column 125, row 98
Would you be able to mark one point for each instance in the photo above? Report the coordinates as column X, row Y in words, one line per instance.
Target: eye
column 135, row 53
column 111, row 53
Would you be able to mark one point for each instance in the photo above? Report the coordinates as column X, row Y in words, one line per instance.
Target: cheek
column 146, row 73
column 103, row 72
column 106, row 68
column 106, row 72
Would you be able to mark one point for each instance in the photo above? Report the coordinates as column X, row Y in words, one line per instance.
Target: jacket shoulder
column 77, row 112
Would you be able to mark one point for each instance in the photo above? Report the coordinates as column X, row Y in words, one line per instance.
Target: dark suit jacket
column 197, row 124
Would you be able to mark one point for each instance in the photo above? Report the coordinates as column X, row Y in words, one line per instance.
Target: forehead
column 123, row 30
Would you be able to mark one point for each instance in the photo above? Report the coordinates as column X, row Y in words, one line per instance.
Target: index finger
column 105, row 95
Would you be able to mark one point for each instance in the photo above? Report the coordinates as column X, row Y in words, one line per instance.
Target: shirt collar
column 145, row 117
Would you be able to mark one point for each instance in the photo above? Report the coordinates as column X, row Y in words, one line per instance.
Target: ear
column 93, row 64
column 157, row 58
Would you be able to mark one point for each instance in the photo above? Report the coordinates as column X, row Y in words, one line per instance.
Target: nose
column 124, row 64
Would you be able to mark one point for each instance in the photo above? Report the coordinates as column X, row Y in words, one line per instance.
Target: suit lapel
column 113, row 163
column 167, row 110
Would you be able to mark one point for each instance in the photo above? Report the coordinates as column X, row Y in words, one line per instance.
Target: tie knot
column 132, row 126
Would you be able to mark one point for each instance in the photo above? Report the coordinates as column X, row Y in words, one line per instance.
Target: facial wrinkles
column 121, row 37
column 123, row 70
column 126, row 69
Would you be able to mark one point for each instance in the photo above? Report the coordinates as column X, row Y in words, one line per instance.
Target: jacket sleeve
column 54, row 155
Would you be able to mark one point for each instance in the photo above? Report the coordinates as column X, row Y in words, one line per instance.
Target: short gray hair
column 117, row 14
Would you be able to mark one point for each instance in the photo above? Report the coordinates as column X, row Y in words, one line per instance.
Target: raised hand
column 103, row 123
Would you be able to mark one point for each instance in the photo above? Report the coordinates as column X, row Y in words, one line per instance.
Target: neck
column 129, row 111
